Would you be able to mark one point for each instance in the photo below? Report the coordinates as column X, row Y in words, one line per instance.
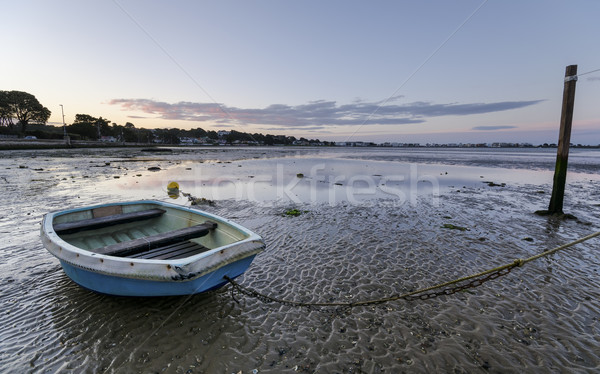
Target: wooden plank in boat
column 104, row 211
column 106, row 221
column 147, row 243
column 172, row 252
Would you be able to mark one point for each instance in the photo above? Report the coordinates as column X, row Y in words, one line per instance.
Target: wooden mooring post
column 564, row 139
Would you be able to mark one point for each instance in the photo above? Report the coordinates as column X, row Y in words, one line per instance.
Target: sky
column 464, row 71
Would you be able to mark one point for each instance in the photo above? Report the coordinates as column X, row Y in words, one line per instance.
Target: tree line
column 22, row 114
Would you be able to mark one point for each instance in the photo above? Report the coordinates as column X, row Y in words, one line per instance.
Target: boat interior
column 143, row 232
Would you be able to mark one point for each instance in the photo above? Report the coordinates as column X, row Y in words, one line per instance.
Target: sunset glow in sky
column 398, row 71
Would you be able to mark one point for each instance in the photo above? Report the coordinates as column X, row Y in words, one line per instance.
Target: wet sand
column 360, row 242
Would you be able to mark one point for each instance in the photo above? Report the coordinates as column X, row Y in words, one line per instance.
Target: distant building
column 354, row 144
column 188, row 141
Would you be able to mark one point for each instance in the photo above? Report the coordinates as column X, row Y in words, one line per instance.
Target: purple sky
column 401, row 71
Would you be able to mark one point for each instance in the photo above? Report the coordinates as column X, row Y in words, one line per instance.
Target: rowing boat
column 148, row 248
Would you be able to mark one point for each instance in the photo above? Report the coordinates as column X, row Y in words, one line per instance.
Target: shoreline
column 11, row 144
column 32, row 144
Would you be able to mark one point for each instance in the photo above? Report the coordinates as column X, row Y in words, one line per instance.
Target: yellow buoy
column 173, row 190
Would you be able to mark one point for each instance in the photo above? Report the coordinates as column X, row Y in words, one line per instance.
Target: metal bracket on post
column 571, row 78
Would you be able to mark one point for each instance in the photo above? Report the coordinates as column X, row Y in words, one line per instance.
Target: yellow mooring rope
column 422, row 294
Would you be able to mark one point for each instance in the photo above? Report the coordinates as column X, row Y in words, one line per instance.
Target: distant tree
column 236, row 135
column 102, row 125
column 144, row 136
column 84, row 126
column 196, row 133
column 91, row 127
column 24, row 107
column 167, row 136
column 86, row 131
column 129, row 133
column 260, row 138
column 84, row 118
column 6, row 115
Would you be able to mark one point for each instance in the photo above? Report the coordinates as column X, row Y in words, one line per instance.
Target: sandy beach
column 374, row 223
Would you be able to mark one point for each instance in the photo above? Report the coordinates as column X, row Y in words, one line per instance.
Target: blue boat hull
column 121, row 286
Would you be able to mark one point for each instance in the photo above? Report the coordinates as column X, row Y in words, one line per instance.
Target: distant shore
column 25, row 144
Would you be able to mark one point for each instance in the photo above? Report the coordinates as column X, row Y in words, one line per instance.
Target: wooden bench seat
column 172, row 252
column 135, row 246
column 100, row 222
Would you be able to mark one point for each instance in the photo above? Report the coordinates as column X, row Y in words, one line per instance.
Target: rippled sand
column 543, row 317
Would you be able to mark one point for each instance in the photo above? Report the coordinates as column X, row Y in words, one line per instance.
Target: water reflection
column 322, row 180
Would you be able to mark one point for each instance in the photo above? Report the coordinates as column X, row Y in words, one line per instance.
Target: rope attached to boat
column 441, row 289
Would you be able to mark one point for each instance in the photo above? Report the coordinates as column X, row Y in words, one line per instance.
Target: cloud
column 593, row 79
column 315, row 114
column 223, row 126
column 308, row 128
column 491, row 128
